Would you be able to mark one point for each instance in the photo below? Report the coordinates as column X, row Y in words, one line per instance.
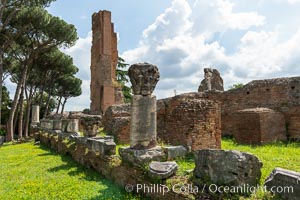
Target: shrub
column 2, row 132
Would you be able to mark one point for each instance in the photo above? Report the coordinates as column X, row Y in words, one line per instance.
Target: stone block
column 79, row 139
column 64, row 125
column 57, row 124
column 285, row 180
column 72, row 126
column 162, row 170
column 116, row 122
column 230, row 168
column 143, row 122
column 47, row 124
column 103, row 145
column 173, row 152
column 141, row 157
column 259, row 126
column 88, row 124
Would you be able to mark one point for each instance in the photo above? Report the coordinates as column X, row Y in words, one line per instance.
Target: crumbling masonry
column 105, row 91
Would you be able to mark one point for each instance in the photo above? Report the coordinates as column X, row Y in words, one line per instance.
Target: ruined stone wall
column 212, row 81
column 191, row 120
column 104, row 59
column 117, row 122
column 281, row 94
column 110, row 166
column 188, row 119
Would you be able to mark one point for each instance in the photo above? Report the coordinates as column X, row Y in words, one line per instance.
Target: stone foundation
column 110, row 166
column 259, row 126
column 88, row 124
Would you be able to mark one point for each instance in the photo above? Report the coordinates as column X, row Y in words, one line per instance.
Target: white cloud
column 173, row 22
column 81, row 54
column 181, row 43
column 261, row 55
column 218, row 16
column 293, row 1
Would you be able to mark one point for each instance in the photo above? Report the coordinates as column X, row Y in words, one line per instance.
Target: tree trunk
column 10, row 123
column 47, row 104
column 21, row 113
column 41, row 97
column 16, row 118
column 1, row 81
column 59, row 102
column 63, row 106
column 27, row 119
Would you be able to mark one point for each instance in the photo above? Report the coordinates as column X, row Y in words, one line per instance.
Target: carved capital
column 143, row 77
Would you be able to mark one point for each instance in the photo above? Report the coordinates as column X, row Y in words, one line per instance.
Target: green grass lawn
column 31, row 172
column 284, row 155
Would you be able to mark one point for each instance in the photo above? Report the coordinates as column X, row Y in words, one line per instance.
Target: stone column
column 35, row 119
column 144, row 78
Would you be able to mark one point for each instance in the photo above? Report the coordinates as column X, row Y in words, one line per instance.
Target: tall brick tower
column 105, row 91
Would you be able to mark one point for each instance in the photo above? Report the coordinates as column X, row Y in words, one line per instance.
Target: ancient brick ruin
column 188, row 119
column 258, row 126
column 262, row 111
column 212, row 81
column 282, row 95
column 105, row 91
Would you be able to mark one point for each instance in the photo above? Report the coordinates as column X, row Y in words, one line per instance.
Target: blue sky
column 243, row 39
column 130, row 17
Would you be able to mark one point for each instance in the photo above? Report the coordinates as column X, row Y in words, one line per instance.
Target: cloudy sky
column 243, row 39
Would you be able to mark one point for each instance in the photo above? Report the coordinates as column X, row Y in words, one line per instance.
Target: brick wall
column 259, row 126
column 187, row 119
column 280, row 94
column 104, row 59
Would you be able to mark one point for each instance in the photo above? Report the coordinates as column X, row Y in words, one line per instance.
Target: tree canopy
column 122, row 78
column 30, row 39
